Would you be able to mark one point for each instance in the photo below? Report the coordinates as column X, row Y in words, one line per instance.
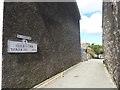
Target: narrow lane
column 88, row 74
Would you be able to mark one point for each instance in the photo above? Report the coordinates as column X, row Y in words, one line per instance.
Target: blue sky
column 91, row 21
column 91, row 38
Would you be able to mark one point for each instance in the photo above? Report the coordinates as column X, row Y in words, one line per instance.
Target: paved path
column 88, row 74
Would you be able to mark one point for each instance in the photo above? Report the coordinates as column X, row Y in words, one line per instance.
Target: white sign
column 21, row 47
column 23, row 37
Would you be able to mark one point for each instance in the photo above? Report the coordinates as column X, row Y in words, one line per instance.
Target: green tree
column 98, row 49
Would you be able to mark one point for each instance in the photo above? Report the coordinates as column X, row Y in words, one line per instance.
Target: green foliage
column 92, row 54
column 98, row 49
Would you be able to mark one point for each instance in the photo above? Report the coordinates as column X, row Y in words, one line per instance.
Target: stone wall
column 111, row 39
column 85, row 56
column 55, row 29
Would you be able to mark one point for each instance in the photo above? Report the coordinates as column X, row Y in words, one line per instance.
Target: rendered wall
column 111, row 39
column 55, row 29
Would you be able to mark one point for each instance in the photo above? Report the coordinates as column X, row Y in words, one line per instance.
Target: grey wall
column 85, row 56
column 54, row 27
column 111, row 39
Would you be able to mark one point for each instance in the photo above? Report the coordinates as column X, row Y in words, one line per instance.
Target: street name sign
column 21, row 47
column 23, row 37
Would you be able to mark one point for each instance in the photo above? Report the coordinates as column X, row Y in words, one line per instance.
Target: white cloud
column 88, row 6
column 93, row 8
column 91, row 24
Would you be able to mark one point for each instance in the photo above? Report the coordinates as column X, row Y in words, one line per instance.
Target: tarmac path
column 88, row 74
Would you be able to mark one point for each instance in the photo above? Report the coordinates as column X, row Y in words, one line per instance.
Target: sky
column 91, row 21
